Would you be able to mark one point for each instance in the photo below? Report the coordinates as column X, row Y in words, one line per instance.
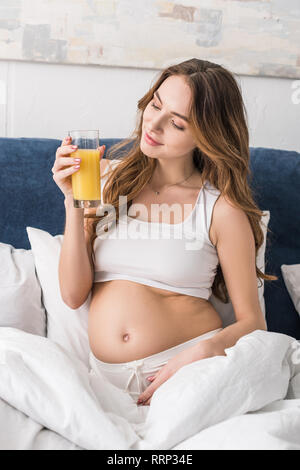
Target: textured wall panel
column 251, row 37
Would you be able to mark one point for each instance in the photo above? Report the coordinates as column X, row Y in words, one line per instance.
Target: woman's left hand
column 202, row 350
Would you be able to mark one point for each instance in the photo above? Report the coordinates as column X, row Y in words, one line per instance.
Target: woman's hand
column 202, row 350
column 64, row 166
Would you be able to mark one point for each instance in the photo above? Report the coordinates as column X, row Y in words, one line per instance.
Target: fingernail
column 150, row 378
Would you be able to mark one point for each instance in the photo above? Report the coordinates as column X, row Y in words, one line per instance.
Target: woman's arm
column 236, row 252
column 75, row 264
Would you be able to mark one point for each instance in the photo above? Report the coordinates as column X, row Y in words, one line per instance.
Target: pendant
column 157, row 193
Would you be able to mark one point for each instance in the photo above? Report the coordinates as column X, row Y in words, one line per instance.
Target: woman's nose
column 156, row 123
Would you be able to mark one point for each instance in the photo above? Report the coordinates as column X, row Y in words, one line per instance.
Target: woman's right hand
column 64, row 166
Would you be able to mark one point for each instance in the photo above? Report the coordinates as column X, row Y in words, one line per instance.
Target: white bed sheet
column 19, row 432
column 249, row 398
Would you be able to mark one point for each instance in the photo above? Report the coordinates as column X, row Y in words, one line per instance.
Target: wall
column 46, row 100
column 252, row 37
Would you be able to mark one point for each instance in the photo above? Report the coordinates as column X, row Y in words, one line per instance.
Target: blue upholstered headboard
column 29, row 197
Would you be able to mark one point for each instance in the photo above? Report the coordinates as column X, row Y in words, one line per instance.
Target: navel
column 126, row 337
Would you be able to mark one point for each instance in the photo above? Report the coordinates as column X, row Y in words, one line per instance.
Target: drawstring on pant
column 134, row 365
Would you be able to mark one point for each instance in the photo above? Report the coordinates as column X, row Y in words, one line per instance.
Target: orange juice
column 86, row 180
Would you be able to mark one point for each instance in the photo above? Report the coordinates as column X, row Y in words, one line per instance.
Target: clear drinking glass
column 86, row 181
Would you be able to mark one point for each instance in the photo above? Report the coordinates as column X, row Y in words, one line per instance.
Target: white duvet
column 248, row 399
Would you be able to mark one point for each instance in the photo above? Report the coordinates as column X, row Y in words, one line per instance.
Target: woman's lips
column 150, row 141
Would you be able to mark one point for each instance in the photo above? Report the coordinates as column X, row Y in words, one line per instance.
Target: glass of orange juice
column 86, row 181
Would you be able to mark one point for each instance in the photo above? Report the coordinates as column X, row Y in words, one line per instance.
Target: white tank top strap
column 205, row 205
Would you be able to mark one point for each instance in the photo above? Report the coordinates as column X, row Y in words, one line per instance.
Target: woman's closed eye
column 177, row 127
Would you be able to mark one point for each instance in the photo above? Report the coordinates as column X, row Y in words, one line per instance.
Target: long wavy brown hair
column 218, row 122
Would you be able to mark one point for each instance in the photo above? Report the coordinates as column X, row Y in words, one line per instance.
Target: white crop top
column 175, row 257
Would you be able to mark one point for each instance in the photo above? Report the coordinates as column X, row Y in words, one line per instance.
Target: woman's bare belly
column 129, row 321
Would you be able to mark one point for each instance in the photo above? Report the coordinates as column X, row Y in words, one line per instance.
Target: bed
column 248, row 399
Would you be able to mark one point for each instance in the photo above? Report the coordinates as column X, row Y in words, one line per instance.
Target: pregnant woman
column 190, row 228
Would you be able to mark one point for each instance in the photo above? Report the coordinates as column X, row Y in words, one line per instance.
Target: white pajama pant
column 131, row 377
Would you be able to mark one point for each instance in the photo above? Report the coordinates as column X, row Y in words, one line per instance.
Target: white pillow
column 20, row 293
column 291, row 276
column 226, row 311
column 67, row 327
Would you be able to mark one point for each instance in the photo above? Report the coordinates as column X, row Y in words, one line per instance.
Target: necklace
column 173, row 184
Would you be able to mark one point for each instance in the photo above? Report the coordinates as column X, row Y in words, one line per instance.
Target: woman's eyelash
column 179, row 128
